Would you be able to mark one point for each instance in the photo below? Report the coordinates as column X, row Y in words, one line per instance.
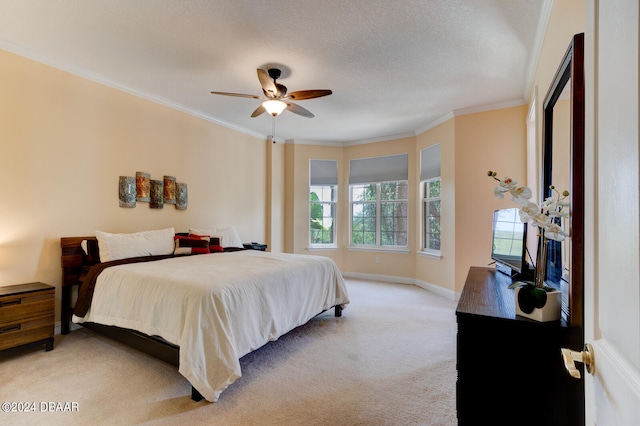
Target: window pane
column 388, row 191
column 434, row 242
column 369, row 210
column 357, row 193
column 393, row 224
column 434, row 189
column 371, row 193
column 363, row 192
column 432, row 224
column 379, row 214
column 393, row 191
column 324, row 193
column 434, row 208
column 322, row 214
column 369, row 224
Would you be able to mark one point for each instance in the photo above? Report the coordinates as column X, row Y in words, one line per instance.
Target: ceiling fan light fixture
column 274, row 106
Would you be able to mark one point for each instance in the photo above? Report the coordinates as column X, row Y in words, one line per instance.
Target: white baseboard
column 448, row 294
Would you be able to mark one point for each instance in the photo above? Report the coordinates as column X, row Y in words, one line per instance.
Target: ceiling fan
column 276, row 98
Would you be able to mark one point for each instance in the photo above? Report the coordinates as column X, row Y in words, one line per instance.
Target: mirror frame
column 571, row 71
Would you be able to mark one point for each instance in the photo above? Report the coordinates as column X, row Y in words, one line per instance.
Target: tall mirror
column 563, row 167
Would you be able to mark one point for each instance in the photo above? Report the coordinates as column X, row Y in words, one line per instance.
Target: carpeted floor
column 389, row 360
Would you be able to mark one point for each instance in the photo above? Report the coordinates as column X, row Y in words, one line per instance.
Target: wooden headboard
column 73, row 260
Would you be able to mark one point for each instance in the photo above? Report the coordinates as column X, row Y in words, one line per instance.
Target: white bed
column 216, row 307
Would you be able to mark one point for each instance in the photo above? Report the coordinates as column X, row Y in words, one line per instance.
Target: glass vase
column 541, row 261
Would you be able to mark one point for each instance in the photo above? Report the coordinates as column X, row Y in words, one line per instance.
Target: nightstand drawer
column 26, row 332
column 19, row 307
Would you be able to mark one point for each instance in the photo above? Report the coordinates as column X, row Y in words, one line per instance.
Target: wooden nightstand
column 27, row 315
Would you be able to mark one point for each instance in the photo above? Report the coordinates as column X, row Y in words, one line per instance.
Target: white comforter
column 217, row 307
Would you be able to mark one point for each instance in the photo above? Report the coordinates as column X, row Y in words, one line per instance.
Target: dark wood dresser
column 27, row 314
column 510, row 370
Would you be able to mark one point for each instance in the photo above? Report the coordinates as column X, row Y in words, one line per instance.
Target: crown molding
column 448, row 116
column 545, row 14
column 489, row 107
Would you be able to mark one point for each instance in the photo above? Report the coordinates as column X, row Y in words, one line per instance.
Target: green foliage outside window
column 379, row 209
column 321, row 215
column 432, row 214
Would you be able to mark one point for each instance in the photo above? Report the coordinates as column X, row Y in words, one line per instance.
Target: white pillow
column 145, row 243
column 228, row 236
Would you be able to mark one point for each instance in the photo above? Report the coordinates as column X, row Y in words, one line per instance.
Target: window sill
column 430, row 255
column 323, row 247
column 380, row 249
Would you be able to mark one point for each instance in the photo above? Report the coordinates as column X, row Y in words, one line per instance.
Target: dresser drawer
column 20, row 307
column 26, row 332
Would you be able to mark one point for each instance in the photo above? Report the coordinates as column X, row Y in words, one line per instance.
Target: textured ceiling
column 395, row 67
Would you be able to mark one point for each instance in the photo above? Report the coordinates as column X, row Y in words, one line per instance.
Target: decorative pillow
column 191, row 245
column 229, row 236
column 214, row 242
column 145, row 243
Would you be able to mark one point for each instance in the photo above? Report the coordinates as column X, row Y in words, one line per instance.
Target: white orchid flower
column 508, row 183
column 499, row 191
column 529, row 212
column 553, row 231
column 559, row 213
column 520, row 195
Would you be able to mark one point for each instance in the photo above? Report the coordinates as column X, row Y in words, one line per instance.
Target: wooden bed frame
column 73, row 261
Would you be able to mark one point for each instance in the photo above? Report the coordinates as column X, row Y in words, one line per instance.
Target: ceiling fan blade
column 240, row 95
column 258, row 111
column 297, row 109
column 268, row 85
column 307, row 94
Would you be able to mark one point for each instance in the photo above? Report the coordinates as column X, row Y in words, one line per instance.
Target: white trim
column 489, row 107
column 541, row 31
column 440, row 291
column 313, row 142
column 322, row 247
column 380, row 249
column 470, row 110
column 381, row 278
column 430, row 254
column 435, row 123
column 380, row 139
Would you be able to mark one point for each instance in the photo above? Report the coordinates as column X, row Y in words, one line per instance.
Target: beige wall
column 430, row 271
column 492, row 140
column 275, row 187
column 65, row 140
